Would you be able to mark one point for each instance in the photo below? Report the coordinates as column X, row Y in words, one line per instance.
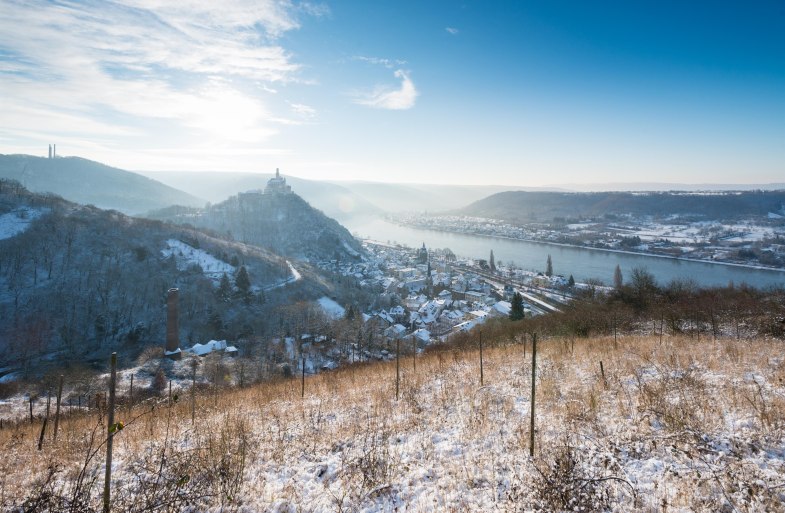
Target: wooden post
column 57, row 408
column 169, row 403
column 193, row 394
column 615, row 339
column 111, row 429
column 397, row 367
column 302, row 389
column 414, row 353
column 31, row 408
column 602, row 371
column 131, row 395
column 46, row 420
column 482, row 375
column 534, row 387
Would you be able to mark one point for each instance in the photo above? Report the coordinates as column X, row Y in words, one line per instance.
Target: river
column 582, row 263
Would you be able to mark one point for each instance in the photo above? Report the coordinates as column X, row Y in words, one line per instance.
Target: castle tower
column 173, row 324
column 277, row 184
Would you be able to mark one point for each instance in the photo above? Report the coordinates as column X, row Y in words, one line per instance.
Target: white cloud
column 387, row 63
column 452, row 30
column 303, row 111
column 99, row 70
column 383, row 97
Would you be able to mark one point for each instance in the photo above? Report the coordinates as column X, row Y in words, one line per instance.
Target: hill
column 283, row 223
column 634, row 425
column 92, row 183
column 401, row 197
column 338, row 199
column 522, row 207
column 334, row 200
column 77, row 282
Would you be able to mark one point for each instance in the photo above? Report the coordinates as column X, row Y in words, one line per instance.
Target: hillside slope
column 283, row 223
column 682, row 425
column 78, row 281
column 92, row 183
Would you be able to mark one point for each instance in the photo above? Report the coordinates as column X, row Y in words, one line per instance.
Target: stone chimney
column 173, row 324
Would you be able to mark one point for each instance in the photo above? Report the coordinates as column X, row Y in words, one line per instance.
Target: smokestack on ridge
column 50, row 151
column 173, row 324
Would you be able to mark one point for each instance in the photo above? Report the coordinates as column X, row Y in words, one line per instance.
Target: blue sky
column 518, row 93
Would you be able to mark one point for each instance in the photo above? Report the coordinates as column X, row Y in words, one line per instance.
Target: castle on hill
column 277, row 185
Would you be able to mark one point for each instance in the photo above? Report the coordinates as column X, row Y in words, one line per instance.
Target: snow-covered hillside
column 682, row 425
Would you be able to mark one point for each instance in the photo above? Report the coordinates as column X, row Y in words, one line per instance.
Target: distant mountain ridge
column 92, row 183
column 523, row 207
column 338, row 199
column 333, row 199
column 283, row 223
column 670, row 186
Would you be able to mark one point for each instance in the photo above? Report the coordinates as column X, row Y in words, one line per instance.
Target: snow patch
column 331, row 308
column 188, row 256
column 18, row 220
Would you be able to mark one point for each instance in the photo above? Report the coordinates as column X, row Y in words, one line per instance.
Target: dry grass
column 683, row 425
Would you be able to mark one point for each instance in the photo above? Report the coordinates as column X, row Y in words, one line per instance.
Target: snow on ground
column 686, row 425
column 331, row 308
column 296, row 276
column 18, row 220
column 188, row 256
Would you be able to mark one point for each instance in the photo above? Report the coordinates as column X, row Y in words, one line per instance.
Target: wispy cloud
column 452, row 30
column 95, row 68
column 384, row 97
column 387, row 63
column 303, row 111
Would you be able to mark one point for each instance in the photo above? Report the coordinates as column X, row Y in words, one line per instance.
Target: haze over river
column 582, row 263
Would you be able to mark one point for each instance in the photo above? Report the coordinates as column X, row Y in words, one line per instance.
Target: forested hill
column 92, row 183
column 521, row 206
column 77, row 281
column 283, row 223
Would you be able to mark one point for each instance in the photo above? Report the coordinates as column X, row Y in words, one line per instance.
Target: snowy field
column 685, row 425
column 331, row 308
column 188, row 256
column 17, row 221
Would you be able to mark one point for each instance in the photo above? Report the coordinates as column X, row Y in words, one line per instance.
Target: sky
column 526, row 93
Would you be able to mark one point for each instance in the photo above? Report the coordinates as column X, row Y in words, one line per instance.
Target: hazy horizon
column 464, row 93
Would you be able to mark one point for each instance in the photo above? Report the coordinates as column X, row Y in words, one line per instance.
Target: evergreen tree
column 243, row 283
column 571, row 282
column 429, row 281
column 516, row 310
column 549, row 267
column 617, row 278
column 492, row 263
column 224, row 288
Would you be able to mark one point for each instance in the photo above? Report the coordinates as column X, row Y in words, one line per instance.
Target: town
column 431, row 294
column 757, row 242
